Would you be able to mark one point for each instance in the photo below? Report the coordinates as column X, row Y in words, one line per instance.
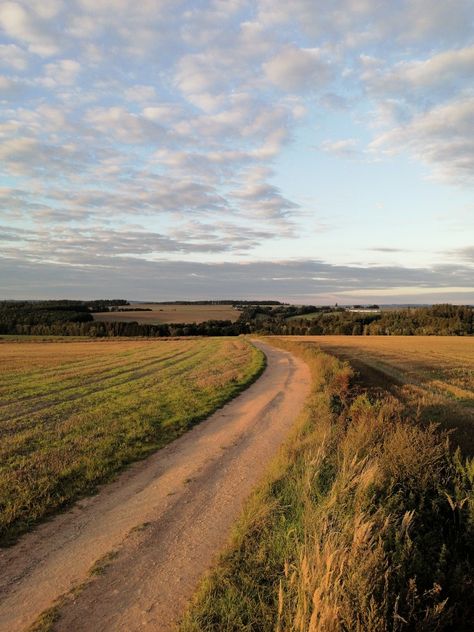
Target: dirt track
column 161, row 523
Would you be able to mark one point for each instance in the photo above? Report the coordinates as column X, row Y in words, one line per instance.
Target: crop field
column 434, row 375
column 170, row 314
column 73, row 413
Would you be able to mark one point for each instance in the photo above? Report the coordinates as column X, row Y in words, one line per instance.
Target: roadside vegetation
column 72, row 414
column 365, row 524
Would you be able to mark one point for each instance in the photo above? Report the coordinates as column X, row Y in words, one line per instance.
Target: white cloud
column 28, row 26
column 356, row 23
column 163, row 113
column 437, row 75
column 140, row 94
column 10, row 88
column 442, row 138
column 295, row 69
column 117, row 122
column 13, row 57
column 174, row 114
column 61, row 73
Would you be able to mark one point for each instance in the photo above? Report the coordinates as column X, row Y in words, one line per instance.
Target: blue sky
column 306, row 151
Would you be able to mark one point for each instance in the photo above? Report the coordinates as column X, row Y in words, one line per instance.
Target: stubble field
column 170, row 314
column 73, row 413
column 432, row 375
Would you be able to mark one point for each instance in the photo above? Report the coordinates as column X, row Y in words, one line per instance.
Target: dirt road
column 159, row 525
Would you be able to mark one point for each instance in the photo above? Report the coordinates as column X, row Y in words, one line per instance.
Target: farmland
column 73, row 413
column 170, row 313
column 366, row 521
column 432, row 375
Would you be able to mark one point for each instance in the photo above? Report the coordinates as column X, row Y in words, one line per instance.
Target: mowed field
column 433, row 375
column 171, row 314
column 73, row 413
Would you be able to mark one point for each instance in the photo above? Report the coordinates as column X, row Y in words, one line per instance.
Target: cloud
column 305, row 281
column 98, row 245
column 140, row 94
column 354, row 23
column 13, row 57
column 62, row 72
column 263, row 200
column 177, row 125
column 30, row 26
column 438, row 75
column 116, row 122
column 441, row 138
column 465, row 254
column 11, row 89
column 294, row 69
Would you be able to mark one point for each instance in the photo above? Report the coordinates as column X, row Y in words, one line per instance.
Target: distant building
column 361, row 309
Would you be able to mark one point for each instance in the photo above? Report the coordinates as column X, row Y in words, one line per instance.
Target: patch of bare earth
column 153, row 532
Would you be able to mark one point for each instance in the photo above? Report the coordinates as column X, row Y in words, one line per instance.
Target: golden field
column 73, row 413
column 170, row 314
column 432, row 375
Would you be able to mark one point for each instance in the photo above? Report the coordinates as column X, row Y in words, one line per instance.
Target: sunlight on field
column 448, row 359
column 73, row 413
column 432, row 375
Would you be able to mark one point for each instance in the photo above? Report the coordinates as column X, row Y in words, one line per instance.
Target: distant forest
column 74, row 318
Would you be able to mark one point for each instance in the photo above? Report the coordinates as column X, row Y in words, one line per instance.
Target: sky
column 309, row 151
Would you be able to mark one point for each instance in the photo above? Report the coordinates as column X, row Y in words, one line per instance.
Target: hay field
column 433, row 375
column 73, row 413
column 170, row 314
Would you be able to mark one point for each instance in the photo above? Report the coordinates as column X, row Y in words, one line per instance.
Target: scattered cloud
column 441, row 138
column 62, row 72
column 151, row 128
column 295, row 69
column 31, row 26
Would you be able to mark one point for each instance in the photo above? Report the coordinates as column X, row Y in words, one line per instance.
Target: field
column 171, row 314
column 432, row 375
column 366, row 521
column 73, row 413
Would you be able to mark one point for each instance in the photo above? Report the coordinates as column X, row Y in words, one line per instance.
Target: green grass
column 308, row 316
column 365, row 524
column 73, row 414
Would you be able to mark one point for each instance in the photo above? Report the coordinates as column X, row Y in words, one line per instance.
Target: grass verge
column 365, row 524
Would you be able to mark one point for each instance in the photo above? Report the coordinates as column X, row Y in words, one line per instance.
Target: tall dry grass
column 366, row 524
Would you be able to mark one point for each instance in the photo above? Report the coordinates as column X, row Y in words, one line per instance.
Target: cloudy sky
column 305, row 150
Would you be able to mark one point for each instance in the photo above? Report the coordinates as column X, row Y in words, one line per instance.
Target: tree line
column 74, row 318
column 440, row 320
